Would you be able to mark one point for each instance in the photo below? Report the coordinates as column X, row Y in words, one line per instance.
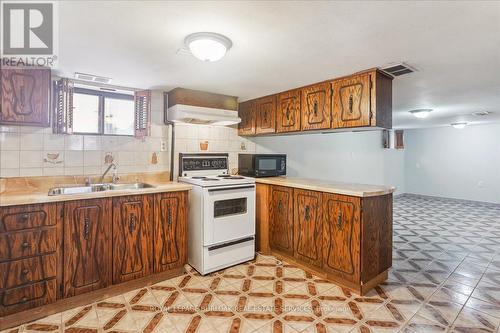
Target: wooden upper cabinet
column 170, row 231
column 25, row 96
column 362, row 100
column 246, row 112
column 316, row 107
column 341, row 236
column 308, row 226
column 87, row 245
column 281, row 219
column 288, row 114
column 265, row 111
column 132, row 241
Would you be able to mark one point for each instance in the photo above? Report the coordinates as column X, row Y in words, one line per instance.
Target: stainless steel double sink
column 81, row 189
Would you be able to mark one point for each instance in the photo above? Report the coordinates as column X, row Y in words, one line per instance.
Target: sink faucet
column 115, row 175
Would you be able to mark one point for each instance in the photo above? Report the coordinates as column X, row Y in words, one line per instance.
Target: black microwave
column 262, row 165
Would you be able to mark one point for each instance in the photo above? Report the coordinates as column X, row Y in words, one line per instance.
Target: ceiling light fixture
column 421, row 113
column 459, row 125
column 208, row 46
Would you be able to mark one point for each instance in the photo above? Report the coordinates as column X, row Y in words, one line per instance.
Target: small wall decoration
column 52, row 158
column 204, row 145
column 108, row 158
column 154, row 158
column 243, row 146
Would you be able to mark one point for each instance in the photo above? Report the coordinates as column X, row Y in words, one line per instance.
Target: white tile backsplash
column 31, row 159
column 31, row 141
column 9, row 141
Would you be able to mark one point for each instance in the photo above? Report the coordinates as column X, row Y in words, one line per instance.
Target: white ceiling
column 285, row 44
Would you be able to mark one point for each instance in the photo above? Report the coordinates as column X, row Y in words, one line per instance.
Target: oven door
column 228, row 213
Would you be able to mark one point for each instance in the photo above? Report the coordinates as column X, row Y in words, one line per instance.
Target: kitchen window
column 82, row 110
column 107, row 113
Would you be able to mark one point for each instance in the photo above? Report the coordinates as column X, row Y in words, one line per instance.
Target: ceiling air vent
column 398, row 69
column 92, row 78
column 481, row 113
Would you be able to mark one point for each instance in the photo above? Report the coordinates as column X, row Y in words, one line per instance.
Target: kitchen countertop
column 352, row 189
column 34, row 190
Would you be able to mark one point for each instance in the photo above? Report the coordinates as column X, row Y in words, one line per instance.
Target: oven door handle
column 230, row 188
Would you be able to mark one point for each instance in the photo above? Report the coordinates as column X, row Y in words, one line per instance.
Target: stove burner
column 209, row 179
column 224, row 176
column 198, row 177
column 235, row 177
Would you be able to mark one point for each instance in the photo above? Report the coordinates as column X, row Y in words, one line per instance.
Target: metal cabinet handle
column 25, row 271
column 24, row 299
column 86, row 228
column 307, row 213
column 350, row 103
column 169, row 216
column 25, row 245
column 24, row 217
column 131, row 225
column 280, row 206
column 315, row 108
column 339, row 221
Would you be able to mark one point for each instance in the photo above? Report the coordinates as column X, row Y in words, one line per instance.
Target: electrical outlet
column 163, row 145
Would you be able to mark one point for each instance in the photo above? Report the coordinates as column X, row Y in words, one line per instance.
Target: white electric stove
column 221, row 226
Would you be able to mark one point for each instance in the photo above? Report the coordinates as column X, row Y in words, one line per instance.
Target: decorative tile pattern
column 445, row 278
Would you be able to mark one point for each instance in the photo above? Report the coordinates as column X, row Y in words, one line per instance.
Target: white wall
column 349, row 157
column 446, row 162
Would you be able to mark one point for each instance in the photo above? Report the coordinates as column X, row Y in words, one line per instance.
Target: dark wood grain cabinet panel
column 25, row 96
column 18, row 272
column 308, row 226
column 132, row 246
column 288, row 111
column 246, row 112
column 170, row 231
column 87, row 245
column 21, row 244
column 27, row 217
column 316, row 107
column 341, row 236
column 281, row 219
column 265, row 110
column 352, row 101
column 27, row 296
column 363, row 100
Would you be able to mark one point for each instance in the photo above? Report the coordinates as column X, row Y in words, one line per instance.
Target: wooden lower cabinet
column 132, row 248
column 170, row 231
column 87, row 246
column 281, row 219
column 341, row 236
column 308, row 226
column 29, row 256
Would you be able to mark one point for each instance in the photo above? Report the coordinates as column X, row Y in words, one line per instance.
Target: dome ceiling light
column 459, row 125
column 208, row 46
column 421, row 113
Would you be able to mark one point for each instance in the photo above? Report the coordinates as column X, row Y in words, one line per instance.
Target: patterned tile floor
column 445, row 278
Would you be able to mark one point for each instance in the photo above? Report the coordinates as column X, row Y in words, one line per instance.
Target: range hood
column 190, row 114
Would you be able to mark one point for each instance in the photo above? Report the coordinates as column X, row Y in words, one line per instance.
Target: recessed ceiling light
column 208, row 46
column 459, row 125
column 421, row 113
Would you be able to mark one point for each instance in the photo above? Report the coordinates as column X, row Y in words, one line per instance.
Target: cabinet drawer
column 19, row 272
column 26, row 297
column 28, row 216
column 27, row 243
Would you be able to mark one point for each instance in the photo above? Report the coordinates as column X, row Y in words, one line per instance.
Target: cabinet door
column 316, row 107
column 265, row 108
column 87, row 245
column 132, row 249
column 288, row 115
column 246, row 111
column 351, row 101
column 281, row 219
column 25, row 96
column 170, row 231
column 308, row 226
column 341, row 236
